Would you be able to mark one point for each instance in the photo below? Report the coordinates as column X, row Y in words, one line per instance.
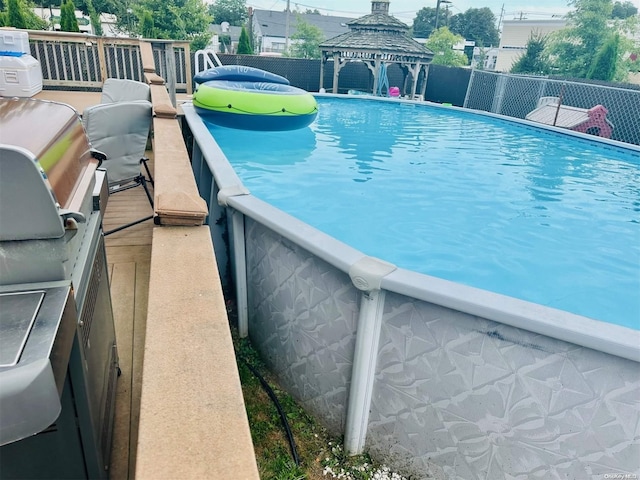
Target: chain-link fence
column 557, row 102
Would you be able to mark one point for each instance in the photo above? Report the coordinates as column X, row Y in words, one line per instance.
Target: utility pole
column 500, row 21
column 438, row 11
column 286, row 30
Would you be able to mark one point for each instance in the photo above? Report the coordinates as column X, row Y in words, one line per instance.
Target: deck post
column 170, row 62
column 188, row 77
column 102, row 60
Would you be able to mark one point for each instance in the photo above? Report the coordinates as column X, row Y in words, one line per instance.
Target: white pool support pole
column 366, row 274
column 240, row 271
column 238, row 254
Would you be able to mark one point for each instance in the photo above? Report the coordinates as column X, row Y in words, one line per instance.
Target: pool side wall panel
column 302, row 318
column 481, row 400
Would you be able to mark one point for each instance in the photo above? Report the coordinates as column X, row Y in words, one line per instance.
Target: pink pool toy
column 394, row 92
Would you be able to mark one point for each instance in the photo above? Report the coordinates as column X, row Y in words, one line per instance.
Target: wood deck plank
column 129, row 257
column 123, row 299
column 139, row 331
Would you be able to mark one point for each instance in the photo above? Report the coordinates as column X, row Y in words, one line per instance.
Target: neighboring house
column 272, row 35
column 219, row 32
column 52, row 17
column 490, row 58
column 108, row 21
column 516, row 34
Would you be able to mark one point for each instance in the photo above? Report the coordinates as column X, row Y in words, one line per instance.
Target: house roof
column 271, row 23
column 233, row 32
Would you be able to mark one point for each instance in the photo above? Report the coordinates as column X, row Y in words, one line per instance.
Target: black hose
column 283, row 417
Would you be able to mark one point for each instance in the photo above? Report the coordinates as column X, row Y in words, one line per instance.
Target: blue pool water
column 489, row 203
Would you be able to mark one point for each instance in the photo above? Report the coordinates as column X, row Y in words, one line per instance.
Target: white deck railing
column 78, row 60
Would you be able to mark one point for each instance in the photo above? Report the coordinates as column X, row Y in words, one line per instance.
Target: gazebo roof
column 380, row 20
column 378, row 32
column 371, row 40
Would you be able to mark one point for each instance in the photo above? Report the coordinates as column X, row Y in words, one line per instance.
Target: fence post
column 187, row 66
column 469, row 87
column 102, row 59
column 498, row 97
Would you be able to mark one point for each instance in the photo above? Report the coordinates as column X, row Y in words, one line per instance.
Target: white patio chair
column 120, row 130
column 122, row 90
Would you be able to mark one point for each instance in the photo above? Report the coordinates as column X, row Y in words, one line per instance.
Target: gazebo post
column 376, row 74
column 424, row 84
column 336, row 71
column 322, row 62
column 415, row 71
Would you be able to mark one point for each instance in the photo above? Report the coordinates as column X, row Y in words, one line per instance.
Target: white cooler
column 14, row 41
column 20, row 73
column 19, row 76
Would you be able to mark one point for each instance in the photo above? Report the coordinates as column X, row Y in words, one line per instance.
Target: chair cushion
column 119, row 130
column 122, row 90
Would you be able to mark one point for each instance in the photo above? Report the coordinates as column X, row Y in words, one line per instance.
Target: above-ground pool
column 435, row 378
column 537, row 215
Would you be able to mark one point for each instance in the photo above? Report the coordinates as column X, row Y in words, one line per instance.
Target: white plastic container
column 14, row 41
column 20, row 76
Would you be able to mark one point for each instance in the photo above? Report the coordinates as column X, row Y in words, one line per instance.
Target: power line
column 315, row 7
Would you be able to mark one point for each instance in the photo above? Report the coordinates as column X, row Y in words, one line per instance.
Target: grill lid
column 46, row 166
column 54, row 135
column 28, row 208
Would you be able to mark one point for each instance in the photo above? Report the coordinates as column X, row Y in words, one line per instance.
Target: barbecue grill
column 58, row 355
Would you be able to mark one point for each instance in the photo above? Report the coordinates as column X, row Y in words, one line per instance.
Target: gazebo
column 376, row 39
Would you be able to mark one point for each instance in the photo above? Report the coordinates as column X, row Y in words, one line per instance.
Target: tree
column 481, row 60
column 68, row 20
column 572, row 48
column 441, row 43
column 15, row 14
column 94, row 17
column 225, row 43
column 628, row 48
column 425, row 21
column 308, row 39
column 624, row 10
column 477, row 24
column 19, row 14
column 244, row 44
column 173, row 19
column 147, row 26
column 232, row 11
column 604, row 64
column 534, row 60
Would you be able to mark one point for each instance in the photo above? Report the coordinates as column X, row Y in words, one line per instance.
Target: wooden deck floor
column 128, row 257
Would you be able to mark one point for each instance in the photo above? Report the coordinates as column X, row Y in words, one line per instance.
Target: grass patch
column 321, row 455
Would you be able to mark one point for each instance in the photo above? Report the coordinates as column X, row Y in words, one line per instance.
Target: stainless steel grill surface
column 58, row 356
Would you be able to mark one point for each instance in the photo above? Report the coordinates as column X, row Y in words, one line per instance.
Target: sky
column 405, row 10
